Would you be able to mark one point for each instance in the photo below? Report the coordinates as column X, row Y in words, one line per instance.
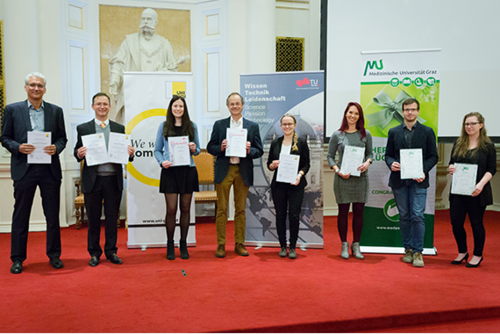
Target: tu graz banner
column 267, row 98
column 389, row 78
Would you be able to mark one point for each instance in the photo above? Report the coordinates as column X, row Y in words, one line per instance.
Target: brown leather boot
column 221, row 251
column 240, row 250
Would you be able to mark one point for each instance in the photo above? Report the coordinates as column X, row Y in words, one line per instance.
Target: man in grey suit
column 233, row 171
column 34, row 114
column 101, row 182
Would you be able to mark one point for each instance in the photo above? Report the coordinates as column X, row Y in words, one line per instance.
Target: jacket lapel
column 47, row 114
column 25, row 112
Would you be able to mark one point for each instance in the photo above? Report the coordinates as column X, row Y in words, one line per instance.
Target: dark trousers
column 106, row 188
column 357, row 221
column 460, row 206
column 287, row 199
column 24, row 192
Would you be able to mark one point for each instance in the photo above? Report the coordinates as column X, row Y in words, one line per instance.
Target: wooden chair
column 80, row 201
column 205, row 167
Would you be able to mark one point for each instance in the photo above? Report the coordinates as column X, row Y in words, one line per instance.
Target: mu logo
column 373, row 64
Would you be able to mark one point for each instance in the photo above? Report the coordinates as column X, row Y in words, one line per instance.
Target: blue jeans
column 410, row 200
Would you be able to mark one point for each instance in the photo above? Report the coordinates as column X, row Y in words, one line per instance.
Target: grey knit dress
column 354, row 189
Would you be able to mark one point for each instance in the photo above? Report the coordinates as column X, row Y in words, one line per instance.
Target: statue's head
column 149, row 19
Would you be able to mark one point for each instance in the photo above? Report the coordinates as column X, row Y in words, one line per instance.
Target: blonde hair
column 295, row 137
column 462, row 146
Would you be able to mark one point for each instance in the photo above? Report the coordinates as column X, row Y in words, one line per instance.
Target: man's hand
column 395, row 167
column 421, row 179
column 50, row 150
column 130, row 150
column 248, row 147
column 82, row 152
column 26, row 148
column 223, row 146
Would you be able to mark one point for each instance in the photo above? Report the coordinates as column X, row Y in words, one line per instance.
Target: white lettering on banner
column 256, row 92
column 255, row 86
column 269, row 99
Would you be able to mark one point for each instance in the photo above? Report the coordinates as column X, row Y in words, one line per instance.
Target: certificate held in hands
column 412, row 166
column 352, row 159
column 236, row 143
column 96, row 149
column 464, row 179
column 39, row 140
column 118, row 148
column 178, row 150
column 288, row 168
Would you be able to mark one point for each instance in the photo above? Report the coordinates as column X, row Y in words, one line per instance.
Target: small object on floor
column 462, row 260
column 282, row 252
column 408, row 258
column 221, row 251
column 115, row 259
column 17, row 267
column 468, row 265
column 56, row 263
column 292, row 254
column 240, row 249
column 94, row 261
column 418, row 259
column 344, row 253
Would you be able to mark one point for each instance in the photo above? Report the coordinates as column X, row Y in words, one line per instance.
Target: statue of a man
column 142, row 52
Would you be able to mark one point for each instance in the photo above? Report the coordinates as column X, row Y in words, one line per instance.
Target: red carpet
column 318, row 292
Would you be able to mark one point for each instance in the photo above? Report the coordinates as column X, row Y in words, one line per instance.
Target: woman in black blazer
column 288, row 197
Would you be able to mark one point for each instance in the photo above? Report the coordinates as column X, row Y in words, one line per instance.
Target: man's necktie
column 103, row 125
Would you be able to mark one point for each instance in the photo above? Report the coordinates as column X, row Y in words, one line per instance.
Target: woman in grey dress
column 351, row 189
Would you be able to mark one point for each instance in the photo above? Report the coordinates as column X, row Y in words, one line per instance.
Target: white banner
column 147, row 96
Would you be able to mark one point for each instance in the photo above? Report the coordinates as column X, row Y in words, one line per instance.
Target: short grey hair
column 235, row 93
column 37, row 75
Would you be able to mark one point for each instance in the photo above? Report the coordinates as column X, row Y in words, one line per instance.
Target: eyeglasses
column 471, row 124
column 287, row 124
column 411, row 110
column 34, row 85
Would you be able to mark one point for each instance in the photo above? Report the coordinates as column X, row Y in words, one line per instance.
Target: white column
column 261, row 36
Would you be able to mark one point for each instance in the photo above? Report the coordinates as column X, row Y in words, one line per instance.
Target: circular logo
column 391, row 211
column 394, row 82
column 419, row 82
column 406, row 82
column 431, row 81
column 143, row 128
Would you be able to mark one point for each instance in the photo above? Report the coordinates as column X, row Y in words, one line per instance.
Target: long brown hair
column 462, row 145
column 360, row 124
column 187, row 127
column 295, row 137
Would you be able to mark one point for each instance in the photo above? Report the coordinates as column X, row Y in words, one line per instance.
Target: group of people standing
column 105, row 181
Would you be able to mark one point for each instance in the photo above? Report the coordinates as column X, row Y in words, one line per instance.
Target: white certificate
column 412, row 166
column 288, row 168
column 352, row 159
column 178, row 150
column 96, row 149
column 118, row 148
column 464, row 179
column 39, row 140
column 236, row 143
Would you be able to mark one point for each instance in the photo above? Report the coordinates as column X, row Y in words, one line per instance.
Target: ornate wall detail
column 289, row 54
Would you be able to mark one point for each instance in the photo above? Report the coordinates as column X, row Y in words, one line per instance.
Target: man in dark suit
column 411, row 195
column 233, row 171
column 34, row 114
column 104, row 181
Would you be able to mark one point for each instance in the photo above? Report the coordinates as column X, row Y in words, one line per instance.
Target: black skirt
column 179, row 180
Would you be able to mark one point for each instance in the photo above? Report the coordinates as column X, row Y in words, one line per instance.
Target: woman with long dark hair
column 349, row 189
column 288, row 197
column 177, row 181
column 472, row 147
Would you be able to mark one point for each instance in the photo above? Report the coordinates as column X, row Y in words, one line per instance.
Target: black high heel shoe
column 468, row 265
column 462, row 260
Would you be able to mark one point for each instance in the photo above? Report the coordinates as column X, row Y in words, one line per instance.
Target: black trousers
column 106, row 188
column 287, row 200
column 24, row 192
column 460, row 206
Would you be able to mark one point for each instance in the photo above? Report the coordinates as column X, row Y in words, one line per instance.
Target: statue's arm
column 117, row 67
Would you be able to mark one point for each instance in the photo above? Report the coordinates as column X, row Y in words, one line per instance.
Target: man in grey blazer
column 34, row 114
column 411, row 195
column 101, row 182
column 233, row 171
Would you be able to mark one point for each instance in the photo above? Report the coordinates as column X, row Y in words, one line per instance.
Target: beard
column 147, row 30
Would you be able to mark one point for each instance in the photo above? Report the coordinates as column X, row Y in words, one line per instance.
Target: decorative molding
column 76, row 51
column 75, row 16
column 212, row 25
column 213, row 80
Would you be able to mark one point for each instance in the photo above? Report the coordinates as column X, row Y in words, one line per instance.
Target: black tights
column 185, row 206
column 357, row 221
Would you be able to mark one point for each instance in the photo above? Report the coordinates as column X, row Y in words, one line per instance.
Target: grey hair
column 37, row 75
column 235, row 93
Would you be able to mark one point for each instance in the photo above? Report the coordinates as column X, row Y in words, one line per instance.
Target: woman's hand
column 452, row 169
column 192, row 147
column 364, row 166
column 299, row 176
column 477, row 190
column 344, row 176
column 165, row 164
column 274, row 164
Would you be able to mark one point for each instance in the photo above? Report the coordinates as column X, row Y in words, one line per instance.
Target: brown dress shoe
column 221, row 251
column 240, row 250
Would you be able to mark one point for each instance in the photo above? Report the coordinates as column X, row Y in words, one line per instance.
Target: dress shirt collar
column 98, row 122
column 30, row 106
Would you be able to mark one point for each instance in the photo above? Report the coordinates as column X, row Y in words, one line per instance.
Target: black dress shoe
column 462, row 260
column 468, row 265
column 94, row 261
column 56, row 263
column 115, row 259
column 17, row 267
